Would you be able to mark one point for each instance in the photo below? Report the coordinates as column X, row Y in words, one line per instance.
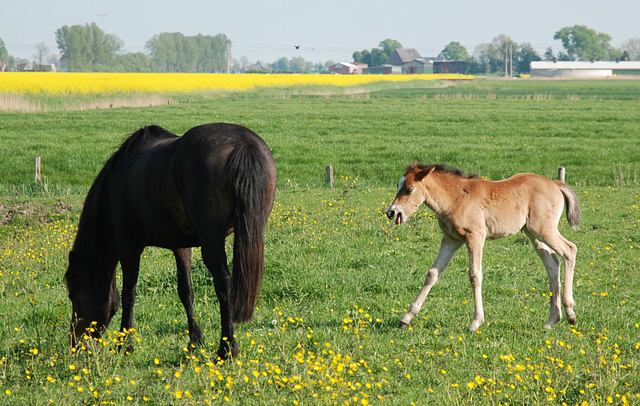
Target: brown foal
column 471, row 210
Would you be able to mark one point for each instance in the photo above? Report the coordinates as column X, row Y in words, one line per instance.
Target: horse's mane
column 144, row 134
column 443, row 168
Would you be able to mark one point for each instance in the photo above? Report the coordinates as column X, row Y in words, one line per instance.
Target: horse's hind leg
column 552, row 265
column 185, row 291
column 448, row 248
column 215, row 259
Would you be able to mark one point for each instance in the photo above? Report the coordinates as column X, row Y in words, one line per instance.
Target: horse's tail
column 252, row 189
column 571, row 203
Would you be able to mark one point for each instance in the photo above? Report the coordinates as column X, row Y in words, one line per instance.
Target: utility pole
column 511, row 60
column 228, row 56
column 506, row 58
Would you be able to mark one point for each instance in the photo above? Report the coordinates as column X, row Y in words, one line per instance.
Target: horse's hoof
column 402, row 324
column 196, row 339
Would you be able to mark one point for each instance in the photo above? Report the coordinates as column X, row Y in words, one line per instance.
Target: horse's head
column 411, row 193
column 94, row 300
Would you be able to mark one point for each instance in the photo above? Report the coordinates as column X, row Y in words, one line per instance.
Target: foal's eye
column 409, row 191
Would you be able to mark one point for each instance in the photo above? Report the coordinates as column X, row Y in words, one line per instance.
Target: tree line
column 503, row 55
column 87, row 48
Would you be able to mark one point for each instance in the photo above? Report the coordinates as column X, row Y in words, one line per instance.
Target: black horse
column 174, row 192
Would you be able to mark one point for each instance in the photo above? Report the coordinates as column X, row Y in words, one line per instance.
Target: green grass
column 339, row 275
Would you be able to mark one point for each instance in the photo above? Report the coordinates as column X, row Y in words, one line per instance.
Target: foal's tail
column 571, row 203
column 252, row 182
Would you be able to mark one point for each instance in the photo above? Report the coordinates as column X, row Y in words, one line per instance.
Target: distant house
column 348, row 68
column 400, row 57
column 45, row 68
column 575, row 69
column 405, row 61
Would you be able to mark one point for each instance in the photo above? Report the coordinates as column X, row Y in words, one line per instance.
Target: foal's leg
column 185, row 291
column 552, row 265
column 475, row 244
column 448, row 248
column 215, row 259
column 567, row 250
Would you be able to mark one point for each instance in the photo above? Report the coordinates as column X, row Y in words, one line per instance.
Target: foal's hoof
column 402, row 324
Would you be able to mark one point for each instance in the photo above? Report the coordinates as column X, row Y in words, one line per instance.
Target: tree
column 298, row 64
column 87, row 48
column 389, row 46
column 454, row 51
column 377, row 56
column 494, row 57
column 632, row 48
column 4, row 54
column 7, row 62
column 175, row 52
column 548, row 55
column 523, row 57
column 41, row 55
column 582, row 43
column 134, row 62
column 282, row 64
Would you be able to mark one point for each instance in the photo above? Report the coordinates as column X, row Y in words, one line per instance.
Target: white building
column 581, row 70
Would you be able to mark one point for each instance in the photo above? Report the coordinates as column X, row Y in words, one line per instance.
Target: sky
column 322, row 30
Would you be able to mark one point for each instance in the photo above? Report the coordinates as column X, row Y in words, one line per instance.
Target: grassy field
column 339, row 274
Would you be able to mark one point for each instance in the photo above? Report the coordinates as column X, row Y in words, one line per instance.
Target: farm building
column 348, row 68
column 450, row 67
column 417, row 66
column 401, row 57
column 404, row 61
column 583, row 70
column 383, row 70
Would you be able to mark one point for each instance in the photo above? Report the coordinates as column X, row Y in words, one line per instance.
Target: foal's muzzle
column 397, row 214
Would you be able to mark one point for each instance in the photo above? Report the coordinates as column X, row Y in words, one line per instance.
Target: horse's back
column 204, row 152
column 168, row 184
column 208, row 159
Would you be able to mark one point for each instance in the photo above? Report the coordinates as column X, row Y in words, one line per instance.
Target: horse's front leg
column 475, row 245
column 215, row 259
column 185, row 291
column 130, row 263
column 448, row 248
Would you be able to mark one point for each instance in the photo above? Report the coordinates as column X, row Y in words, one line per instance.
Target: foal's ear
column 423, row 173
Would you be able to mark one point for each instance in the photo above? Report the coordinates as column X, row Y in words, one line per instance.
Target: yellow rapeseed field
column 89, row 83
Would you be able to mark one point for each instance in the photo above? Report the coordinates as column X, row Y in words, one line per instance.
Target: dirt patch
column 30, row 212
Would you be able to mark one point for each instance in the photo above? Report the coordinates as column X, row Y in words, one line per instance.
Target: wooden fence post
column 330, row 175
column 38, row 169
column 561, row 172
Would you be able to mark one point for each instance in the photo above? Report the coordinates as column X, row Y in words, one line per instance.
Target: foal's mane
column 444, row 168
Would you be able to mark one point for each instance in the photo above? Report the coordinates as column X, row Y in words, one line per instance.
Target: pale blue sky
column 324, row 29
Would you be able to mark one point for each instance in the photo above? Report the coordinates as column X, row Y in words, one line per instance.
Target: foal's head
column 411, row 192
column 94, row 300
